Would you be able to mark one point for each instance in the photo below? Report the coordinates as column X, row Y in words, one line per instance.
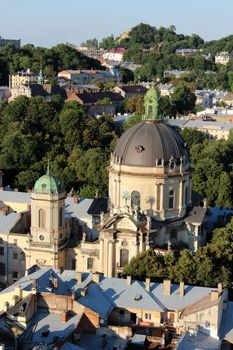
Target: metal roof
column 198, row 341
column 156, row 141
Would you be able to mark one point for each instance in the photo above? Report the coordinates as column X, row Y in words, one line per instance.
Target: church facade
column 149, row 206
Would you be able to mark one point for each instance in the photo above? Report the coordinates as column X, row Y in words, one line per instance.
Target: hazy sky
column 48, row 22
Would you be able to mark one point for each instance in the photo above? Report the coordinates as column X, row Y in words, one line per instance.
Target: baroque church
column 149, row 206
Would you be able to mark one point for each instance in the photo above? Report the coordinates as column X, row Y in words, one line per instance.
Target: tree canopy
column 211, row 264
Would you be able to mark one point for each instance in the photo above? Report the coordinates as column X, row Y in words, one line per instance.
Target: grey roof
column 158, row 141
column 12, row 196
column 199, row 341
column 46, row 320
column 96, row 300
column 112, row 292
column 8, row 222
column 199, row 124
column 197, row 215
column 226, row 330
column 122, row 295
column 98, row 206
column 78, row 210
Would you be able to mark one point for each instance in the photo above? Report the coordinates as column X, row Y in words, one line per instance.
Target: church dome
column 147, row 143
column 48, row 184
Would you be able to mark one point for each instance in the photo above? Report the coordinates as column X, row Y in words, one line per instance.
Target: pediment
column 122, row 222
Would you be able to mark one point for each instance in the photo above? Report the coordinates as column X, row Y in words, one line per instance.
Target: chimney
column 6, row 306
column 129, row 280
column 214, row 295
column 76, row 199
column 96, row 277
column 220, row 288
column 167, row 287
column 64, row 317
column 15, row 299
column 79, row 277
column 148, row 284
column 181, row 289
column 18, row 291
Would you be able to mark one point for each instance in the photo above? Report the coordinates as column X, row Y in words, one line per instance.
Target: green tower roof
column 151, row 101
column 48, row 184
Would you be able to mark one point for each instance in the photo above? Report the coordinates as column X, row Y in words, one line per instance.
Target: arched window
column 60, row 217
column 135, row 199
column 124, row 257
column 171, row 198
column 42, row 218
column 2, row 269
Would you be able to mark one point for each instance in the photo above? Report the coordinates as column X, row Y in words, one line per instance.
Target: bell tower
column 47, row 238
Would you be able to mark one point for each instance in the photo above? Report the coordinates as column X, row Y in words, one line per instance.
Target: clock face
column 135, row 198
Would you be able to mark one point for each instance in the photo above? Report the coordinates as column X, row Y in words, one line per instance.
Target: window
column 1, row 250
column 171, row 198
column 122, row 313
column 73, row 264
column 124, row 257
column 22, row 256
column 60, row 217
column 90, row 263
column 15, row 241
column 15, row 274
column 15, row 255
column 148, row 316
column 1, row 241
column 2, row 269
column 42, row 218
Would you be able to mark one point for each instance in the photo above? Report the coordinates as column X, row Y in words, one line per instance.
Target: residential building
column 15, row 42
column 211, row 129
column 114, row 55
column 175, row 73
column 91, row 52
column 84, row 76
column 130, row 90
column 165, row 89
column 98, row 103
column 222, row 57
column 59, row 307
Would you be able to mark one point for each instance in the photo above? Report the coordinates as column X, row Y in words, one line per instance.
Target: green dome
column 48, row 184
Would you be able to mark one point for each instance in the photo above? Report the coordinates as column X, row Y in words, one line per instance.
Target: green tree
column 192, row 136
column 183, row 100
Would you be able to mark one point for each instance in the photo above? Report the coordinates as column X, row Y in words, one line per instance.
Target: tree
column 135, row 104
column 183, row 100
column 192, row 136
column 91, row 43
column 134, row 119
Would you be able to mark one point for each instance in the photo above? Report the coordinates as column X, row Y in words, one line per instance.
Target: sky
column 49, row 22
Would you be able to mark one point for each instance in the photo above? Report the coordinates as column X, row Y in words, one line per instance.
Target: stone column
column 141, row 243
column 195, row 239
column 118, row 195
column 180, row 194
column 101, row 255
column 110, row 258
column 161, row 196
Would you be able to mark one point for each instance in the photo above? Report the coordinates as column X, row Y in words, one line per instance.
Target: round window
column 41, row 237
